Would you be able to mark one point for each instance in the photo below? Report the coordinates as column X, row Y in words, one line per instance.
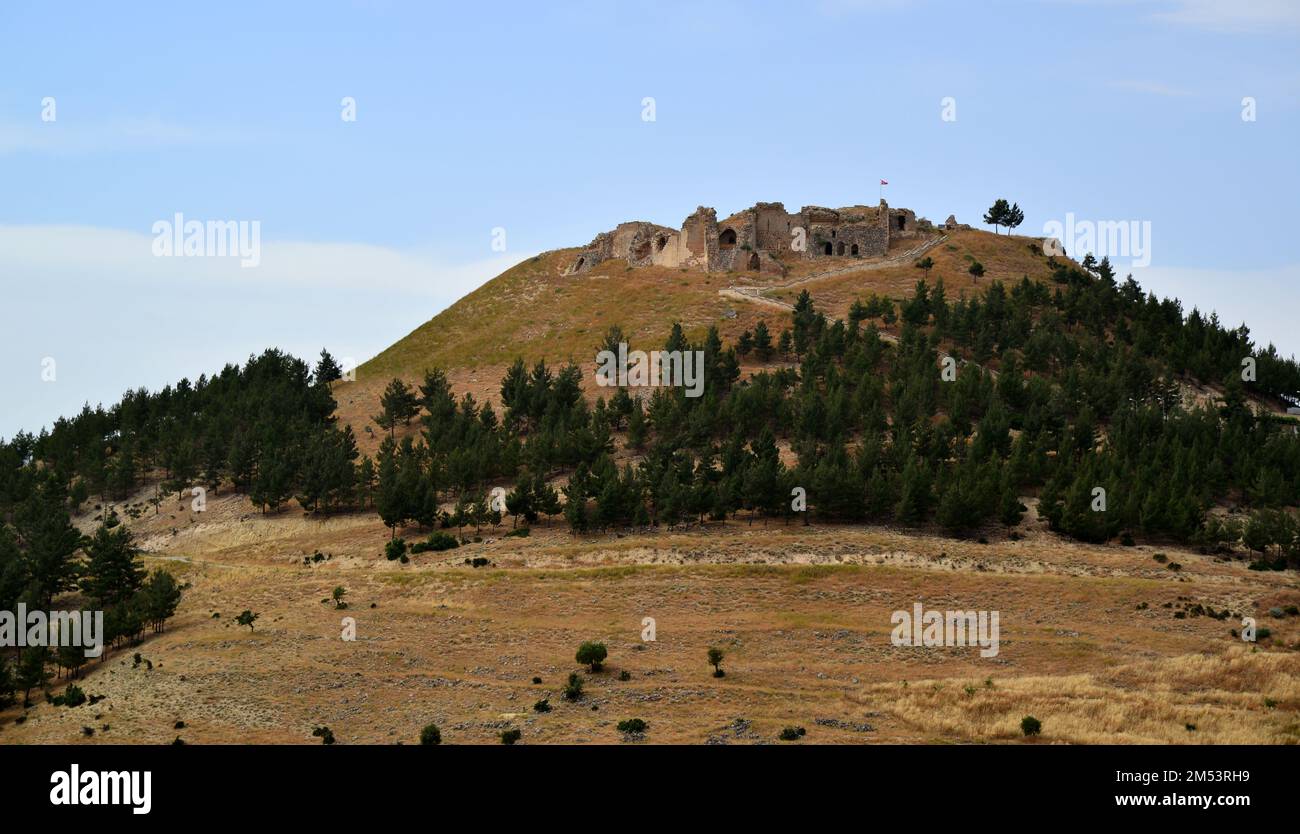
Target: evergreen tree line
column 1056, row 389
column 1042, row 401
column 43, row 559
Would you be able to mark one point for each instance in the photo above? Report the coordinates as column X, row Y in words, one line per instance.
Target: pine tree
column 997, row 214
column 158, row 599
column 762, row 341
column 48, row 542
column 112, row 574
column 365, row 482
column 327, row 370
column 398, row 405
column 388, row 498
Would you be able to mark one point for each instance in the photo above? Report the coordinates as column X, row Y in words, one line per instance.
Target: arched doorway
column 727, row 240
column 826, row 248
column 854, row 250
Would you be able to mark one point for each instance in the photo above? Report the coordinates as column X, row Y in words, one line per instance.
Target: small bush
column 1030, row 726
column 536, row 679
column 510, row 736
column 325, row 734
column 632, row 726
column 792, row 733
column 593, row 654
column 431, row 734
column 395, row 549
column 436, row 542
column 625, row 675
column 519, row 532
column 543, row 705
column 573, row 689
column 715, row 656
column 71, row 697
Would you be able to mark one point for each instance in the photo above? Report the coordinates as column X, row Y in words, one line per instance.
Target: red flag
column 884, row 182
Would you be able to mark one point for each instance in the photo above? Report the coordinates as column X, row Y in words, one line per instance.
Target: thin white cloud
column 836, row 8
column 1250, row 16
column 1155, row 88
column 66, row 135
column 52, row 252
column 1230, row 16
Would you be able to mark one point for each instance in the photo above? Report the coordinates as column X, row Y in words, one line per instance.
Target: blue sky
column 528, row 117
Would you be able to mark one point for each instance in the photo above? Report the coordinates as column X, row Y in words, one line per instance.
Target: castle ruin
column 749, row 239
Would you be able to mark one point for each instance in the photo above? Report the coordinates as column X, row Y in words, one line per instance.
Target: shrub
column 632, row 726
column 543, row 705
column 1030, row 726
column 573, row 689
column 431, row 734
column 592, row 654
column 325, row 734
column 536, row 679
column 520, row 532
column 793, row 733
column 436, row 542
column 510, row 736
column 625, row 675
column 395, row 549
column 715, row 660
column 71, row 697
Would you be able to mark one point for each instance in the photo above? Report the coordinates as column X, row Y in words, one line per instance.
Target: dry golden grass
column 1090, row 640
column 1225, row 698
column 803, row 615
column 532, row 311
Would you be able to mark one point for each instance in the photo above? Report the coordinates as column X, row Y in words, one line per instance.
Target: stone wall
column 748, row 239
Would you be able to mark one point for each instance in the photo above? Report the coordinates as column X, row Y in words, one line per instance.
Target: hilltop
column 540, row 310
column 999, row 431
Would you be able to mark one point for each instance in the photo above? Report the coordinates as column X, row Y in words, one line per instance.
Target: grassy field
column 1090, row 640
